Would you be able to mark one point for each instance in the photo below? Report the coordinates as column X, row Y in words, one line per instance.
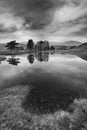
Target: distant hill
column 72, row 43
column 83, row 46
column 2, row 46
column 67, row 43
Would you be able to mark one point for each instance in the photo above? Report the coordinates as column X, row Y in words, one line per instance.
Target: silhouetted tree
column 42, row 46
column 11, row 45
column 52, row 48
column 30, row 44
column 13, row 61
column 31, row 58
column 46, row 45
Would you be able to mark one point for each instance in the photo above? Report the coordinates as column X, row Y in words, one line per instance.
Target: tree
column 30, row 44
column 52, row 48
column 42, row 46
column 46, row 45
column 39, row 46
column 11, row 45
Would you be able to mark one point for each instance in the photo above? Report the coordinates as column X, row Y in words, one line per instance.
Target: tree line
column 39, row 46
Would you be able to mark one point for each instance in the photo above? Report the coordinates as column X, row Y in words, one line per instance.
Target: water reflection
column 40, row 56
column 54, row 84
column 44, row 56
column 47, row 99
column 2, row 59
column 84, row 57
column 31, row 58
column 13, row 60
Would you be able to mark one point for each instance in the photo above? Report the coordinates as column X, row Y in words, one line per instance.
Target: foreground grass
column 14, row 117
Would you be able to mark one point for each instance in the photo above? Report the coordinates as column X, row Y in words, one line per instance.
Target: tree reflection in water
column 40, row 56
column 13, row 60
column 41, row 101
column 31, row 58
column 2, row 59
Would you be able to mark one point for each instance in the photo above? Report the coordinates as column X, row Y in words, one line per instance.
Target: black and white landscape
column 43, row 64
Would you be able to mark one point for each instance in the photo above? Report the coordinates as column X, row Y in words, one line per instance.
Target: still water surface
column 56, row 79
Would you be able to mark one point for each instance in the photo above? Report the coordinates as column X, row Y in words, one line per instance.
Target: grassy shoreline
column 6, row 52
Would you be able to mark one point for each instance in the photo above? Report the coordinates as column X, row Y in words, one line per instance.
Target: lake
column 56, row 80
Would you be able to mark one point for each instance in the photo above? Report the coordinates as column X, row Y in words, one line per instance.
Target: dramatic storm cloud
column 43, row 19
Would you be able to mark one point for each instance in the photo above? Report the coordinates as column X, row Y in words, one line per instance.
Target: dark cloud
column 36, row 13
column 41, row 19
column 74, row 2
column 82, row 20
column 82, row 32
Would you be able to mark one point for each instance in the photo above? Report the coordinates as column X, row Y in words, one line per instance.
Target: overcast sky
column 53, row 20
